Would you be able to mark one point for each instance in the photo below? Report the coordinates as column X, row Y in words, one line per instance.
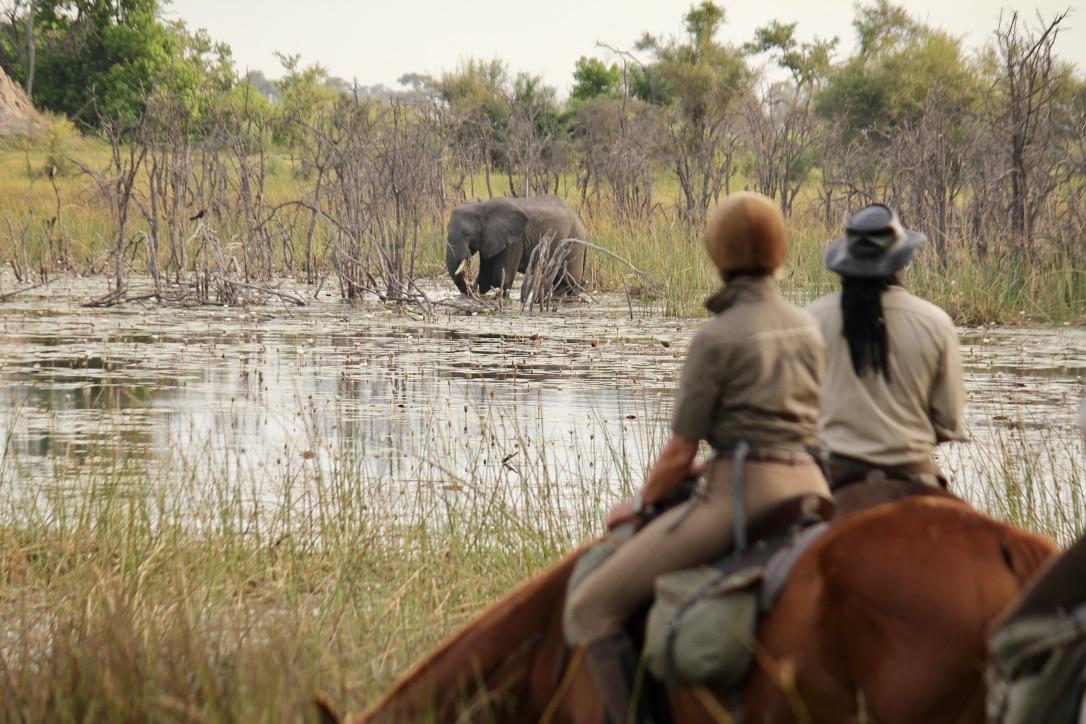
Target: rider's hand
column 622, row 512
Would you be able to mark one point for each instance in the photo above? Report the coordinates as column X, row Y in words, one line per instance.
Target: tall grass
column 1001, row 289
column 186, row 584
column 1026, row 468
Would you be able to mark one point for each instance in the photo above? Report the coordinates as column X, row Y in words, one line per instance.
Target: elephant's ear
column 504, row 225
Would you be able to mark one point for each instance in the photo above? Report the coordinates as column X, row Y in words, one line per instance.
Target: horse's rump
column 886, row 617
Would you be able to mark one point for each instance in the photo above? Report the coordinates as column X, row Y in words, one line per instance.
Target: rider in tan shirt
column 893, row 388
column 752, row 377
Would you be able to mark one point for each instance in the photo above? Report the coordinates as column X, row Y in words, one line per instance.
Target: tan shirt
column 752, row 373
column 901, row 421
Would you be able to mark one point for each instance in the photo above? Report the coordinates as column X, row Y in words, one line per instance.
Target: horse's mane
column 506, row 625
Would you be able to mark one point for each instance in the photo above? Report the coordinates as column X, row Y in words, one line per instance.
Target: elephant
column 505, row 232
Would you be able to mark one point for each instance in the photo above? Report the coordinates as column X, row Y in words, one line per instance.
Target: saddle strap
column 742, row 448
column 739, row 455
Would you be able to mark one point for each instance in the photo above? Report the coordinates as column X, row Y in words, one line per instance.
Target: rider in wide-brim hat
column 893, row 389
column 875, row 244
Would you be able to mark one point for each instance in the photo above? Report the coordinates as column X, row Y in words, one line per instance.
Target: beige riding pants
column 623, row 583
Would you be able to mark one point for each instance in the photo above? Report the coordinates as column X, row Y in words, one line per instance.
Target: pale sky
column 377, row 41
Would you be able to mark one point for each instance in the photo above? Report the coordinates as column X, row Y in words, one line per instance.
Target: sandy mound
column 17, row 114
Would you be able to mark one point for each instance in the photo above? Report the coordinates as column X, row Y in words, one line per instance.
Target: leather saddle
column 776, row 539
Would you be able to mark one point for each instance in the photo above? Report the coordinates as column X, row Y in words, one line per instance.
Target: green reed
column 193, row 582
column 1028, row 469
column 1003, row 288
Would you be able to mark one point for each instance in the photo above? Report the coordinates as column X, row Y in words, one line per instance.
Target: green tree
column 1032, row 94
column 474, row 97
column 532, row 140
column 702, row 82
column 899, row 66
column 268, row 87
column 306, row 97
column 903, row 107
column 99, row 59
column 781, row 124
column 593, row 79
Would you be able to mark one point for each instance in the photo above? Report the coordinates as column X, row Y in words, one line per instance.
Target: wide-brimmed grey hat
column 875, row 244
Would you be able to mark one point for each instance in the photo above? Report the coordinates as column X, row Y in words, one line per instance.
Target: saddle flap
column 1037, row 669
column 780, row 564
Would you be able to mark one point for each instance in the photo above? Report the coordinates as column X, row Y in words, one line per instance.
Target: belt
column 740, row 452
column 785, row 456
column 845, row 471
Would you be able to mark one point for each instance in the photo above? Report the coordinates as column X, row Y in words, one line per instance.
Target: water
column 248, row 392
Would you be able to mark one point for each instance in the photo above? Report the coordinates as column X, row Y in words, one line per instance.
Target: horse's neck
column 487, row 659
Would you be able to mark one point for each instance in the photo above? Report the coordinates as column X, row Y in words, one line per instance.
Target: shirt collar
column 741, row 289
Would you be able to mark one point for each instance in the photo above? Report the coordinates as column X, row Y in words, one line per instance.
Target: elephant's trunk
column 456, row 266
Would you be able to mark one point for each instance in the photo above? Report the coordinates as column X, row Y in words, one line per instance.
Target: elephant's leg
column 486, row 279
column 510, row 264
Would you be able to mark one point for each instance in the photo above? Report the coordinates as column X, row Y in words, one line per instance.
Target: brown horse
column 883, row 618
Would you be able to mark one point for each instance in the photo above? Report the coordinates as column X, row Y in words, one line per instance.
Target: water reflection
column 246, row 390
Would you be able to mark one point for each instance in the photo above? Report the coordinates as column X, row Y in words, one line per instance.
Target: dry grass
column 131, row 597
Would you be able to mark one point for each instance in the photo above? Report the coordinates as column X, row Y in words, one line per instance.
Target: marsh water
column 240, row 396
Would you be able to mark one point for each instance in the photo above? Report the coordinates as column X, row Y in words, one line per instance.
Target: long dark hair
column 864, row 325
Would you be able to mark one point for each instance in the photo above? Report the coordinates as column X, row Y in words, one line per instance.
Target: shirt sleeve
column 948, row 393
column 699, row 390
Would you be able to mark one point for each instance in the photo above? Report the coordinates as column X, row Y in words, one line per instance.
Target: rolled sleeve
column 948, row 393
column 699, row 390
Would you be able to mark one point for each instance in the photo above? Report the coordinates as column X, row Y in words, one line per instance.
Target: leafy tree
column 593, row 79
column 782, row 127
column 419, row 82
column 899, row 65
column 99, row 59
column 702, row 82
column 419, row 87
column 305, row 95
column 474, row 96
column 532, row 141
column 1032, row 96
column 268, row 87
column 617, row 142
column 901, row 108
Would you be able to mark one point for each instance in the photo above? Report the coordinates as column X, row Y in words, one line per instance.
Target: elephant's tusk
column 460, row 269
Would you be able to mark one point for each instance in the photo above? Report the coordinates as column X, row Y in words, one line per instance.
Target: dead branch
column 285, row 296
column 5, row 296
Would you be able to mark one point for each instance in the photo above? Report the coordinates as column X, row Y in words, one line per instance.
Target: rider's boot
column 613, row 661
